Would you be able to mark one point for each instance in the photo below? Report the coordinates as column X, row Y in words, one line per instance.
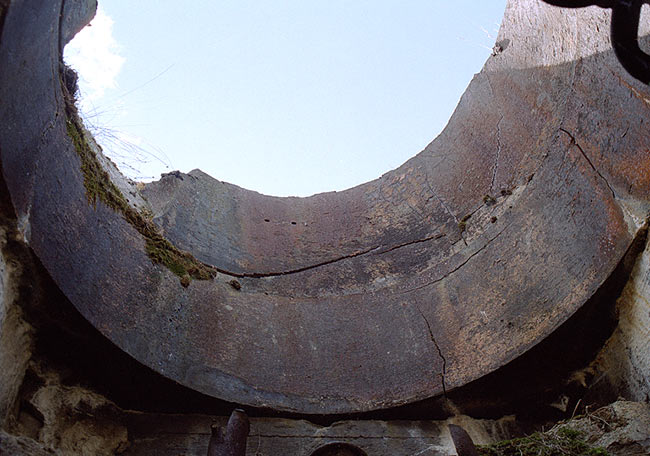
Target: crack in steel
column 500, row 109
column 496, row 160
column 457, row 267
column 442, row 357
column 259, row 275
column 575, row 143
column 392, row 203
column 417, row 241
column 440, row 200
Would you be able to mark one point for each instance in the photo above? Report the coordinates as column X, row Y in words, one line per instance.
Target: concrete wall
column 624, row 362
column 16, row 337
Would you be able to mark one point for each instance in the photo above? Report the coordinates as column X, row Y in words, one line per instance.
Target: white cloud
column 95, row 54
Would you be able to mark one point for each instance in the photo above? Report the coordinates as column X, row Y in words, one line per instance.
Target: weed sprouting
column 99, row 186
column 559, row 441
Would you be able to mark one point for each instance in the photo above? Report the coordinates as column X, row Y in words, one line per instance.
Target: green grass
column 562, row 441
column 99, row 187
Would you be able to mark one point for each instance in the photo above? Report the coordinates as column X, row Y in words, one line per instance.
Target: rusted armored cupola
column 473, row 279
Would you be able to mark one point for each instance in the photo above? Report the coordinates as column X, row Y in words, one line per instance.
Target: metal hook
column 624, row 32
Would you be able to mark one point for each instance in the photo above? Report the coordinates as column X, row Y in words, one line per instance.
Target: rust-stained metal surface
column 421, row 281
column 462, row 441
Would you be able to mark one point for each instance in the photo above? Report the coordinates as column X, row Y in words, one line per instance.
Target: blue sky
column 285, row 97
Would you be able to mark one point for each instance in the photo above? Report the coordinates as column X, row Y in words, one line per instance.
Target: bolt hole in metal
column 339, row 449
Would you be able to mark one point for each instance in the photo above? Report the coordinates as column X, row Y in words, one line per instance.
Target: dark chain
column 624, row 32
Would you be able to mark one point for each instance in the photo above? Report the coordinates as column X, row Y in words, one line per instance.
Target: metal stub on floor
column 406, row 287
column 230, row 441
column 462, row 441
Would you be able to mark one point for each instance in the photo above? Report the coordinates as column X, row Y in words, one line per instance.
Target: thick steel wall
column 431, row 276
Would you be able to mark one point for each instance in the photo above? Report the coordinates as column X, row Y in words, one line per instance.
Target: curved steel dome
column 431, row 276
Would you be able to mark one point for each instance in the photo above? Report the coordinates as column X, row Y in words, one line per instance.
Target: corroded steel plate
column 421, row 281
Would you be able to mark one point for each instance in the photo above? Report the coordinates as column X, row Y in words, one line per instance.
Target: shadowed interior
column 430, row 277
